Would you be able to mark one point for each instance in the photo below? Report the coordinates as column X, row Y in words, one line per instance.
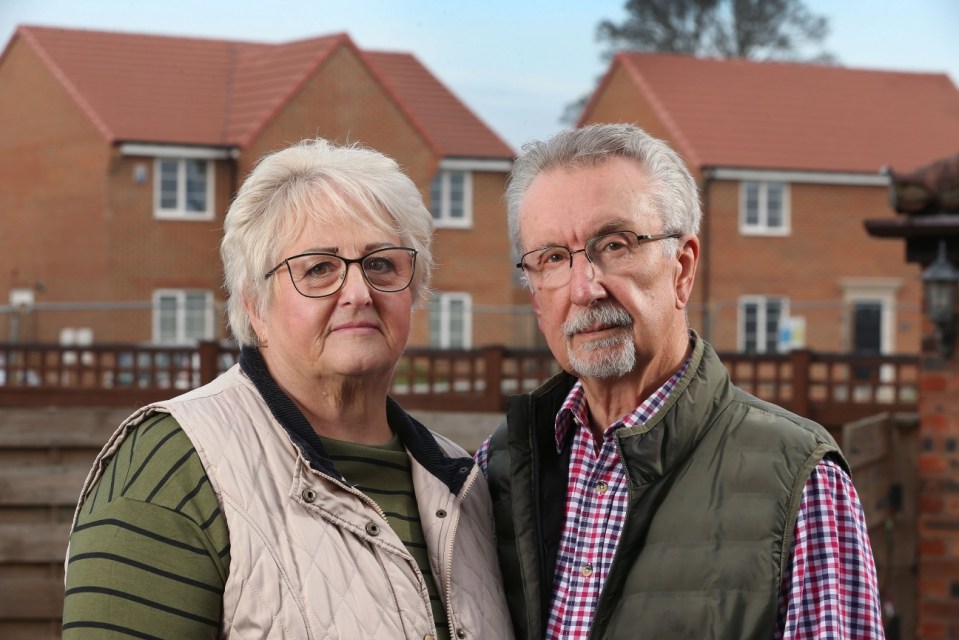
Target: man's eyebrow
column 616, row 224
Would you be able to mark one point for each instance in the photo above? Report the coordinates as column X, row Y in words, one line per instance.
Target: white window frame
column 762, row 339
column 180, row 212
column 881, row 290
column 441, row 210
column 180, row 295
column 441, row 304
column 762, row 228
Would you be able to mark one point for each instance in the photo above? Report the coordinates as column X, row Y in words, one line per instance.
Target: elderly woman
column 292, row 497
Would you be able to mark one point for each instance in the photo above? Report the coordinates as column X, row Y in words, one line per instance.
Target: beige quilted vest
column 312, row 557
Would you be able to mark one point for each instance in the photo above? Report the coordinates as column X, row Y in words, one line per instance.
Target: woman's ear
column 259, row 326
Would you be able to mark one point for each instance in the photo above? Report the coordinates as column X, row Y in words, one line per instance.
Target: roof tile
column 176, row 90
column 775, row 115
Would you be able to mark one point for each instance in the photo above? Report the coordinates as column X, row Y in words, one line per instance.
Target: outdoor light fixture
column 939, row 283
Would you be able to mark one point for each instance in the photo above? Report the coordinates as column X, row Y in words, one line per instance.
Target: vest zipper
column 448, row 564
column 408, row 558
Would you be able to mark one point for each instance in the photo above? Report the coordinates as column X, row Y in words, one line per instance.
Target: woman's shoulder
column 157, row 463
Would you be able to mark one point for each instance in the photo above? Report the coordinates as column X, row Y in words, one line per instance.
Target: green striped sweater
column 150, row 552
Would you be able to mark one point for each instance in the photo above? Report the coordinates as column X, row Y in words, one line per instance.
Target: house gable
column 622, row 97
column 787, row 116
column 133, row 98
column 52, row 163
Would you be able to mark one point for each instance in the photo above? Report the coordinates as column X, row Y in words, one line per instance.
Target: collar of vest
column 416, row 438
column 652, row 449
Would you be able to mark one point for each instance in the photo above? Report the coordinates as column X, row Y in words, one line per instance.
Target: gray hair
column 315, row 181
column 673, row 195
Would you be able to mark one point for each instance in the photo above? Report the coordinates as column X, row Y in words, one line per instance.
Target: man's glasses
column 317, row 275
column 613, row 253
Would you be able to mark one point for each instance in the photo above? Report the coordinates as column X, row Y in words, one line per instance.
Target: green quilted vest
column 715, row 480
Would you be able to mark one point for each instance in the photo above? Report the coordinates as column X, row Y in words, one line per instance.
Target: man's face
column 607, row 325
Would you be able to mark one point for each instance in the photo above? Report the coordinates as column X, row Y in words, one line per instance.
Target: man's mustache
column 606, row 316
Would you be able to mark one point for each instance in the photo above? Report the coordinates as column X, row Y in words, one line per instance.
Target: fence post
column 801, row 362
column 493, row 377
column 208, row 351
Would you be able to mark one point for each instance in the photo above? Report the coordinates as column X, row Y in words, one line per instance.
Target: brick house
column 120, row 153
column 790, row 160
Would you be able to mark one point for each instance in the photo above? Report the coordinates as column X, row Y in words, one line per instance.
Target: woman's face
column 356, row 332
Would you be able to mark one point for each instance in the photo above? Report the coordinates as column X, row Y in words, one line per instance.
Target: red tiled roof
column 775, row 115
column 442, row 117
column 176, row 90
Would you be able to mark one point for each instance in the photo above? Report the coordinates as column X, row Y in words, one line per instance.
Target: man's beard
column 611, row 357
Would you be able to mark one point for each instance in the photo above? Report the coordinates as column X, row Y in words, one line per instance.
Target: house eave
column 850, row 179
column 198, row 152
column 498, row 165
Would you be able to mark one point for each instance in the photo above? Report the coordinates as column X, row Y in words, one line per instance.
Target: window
column 182, row 316
column 451, row 321
column 759, row 322
column 451, row 198
column 183, row 188
column 764, row 208
column 871, row 314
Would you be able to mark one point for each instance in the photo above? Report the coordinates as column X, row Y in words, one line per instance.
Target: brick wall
column 826, row 255
column 76, row 226
column 938, row 526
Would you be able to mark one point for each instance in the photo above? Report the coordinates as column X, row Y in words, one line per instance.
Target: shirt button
column 460, row 633
column 309, row 495
column 601, row 487
column 586, row 570
column 427, row 637
column 373, row 529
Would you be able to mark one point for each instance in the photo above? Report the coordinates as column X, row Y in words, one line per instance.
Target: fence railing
column 829, row 388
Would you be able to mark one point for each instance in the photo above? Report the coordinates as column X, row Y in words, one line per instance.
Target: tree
column 752, row 29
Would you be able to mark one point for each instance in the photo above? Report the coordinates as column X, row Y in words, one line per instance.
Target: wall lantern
column 939, row 282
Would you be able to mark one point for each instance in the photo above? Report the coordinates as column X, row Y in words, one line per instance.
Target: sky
column 515, row 63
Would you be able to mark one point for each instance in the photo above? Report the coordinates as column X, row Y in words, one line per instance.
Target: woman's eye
column 321, row 268
column 379, row 265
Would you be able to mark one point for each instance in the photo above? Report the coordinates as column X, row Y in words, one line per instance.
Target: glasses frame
column 641, row 239
column 347, row 261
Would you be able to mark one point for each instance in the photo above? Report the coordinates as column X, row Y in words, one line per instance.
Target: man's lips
column 596, row 329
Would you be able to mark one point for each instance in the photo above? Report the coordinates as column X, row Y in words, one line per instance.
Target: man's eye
column 552, row 257
column 611, row 245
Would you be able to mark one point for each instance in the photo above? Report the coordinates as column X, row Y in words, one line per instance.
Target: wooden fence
column 832, row 389
column 883, row 453
column 58, row 405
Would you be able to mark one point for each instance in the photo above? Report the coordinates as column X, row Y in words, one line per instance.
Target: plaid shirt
column 830, row 587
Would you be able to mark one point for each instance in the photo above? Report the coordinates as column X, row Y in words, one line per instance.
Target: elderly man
column 639, row 492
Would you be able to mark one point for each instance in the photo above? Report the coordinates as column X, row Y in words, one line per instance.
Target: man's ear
column 687, row 257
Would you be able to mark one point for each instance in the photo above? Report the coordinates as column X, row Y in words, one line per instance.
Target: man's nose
column 584, row 280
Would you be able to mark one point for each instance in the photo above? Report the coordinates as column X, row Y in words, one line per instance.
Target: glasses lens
column 548, row 267
column 389, row 269
column 317, row 274
column 613, row 253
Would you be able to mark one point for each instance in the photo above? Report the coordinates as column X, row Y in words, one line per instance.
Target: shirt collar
column 574, row 412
